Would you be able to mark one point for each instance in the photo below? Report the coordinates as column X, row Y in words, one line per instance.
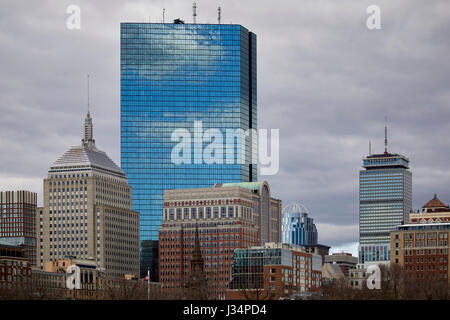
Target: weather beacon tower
column 385, row 201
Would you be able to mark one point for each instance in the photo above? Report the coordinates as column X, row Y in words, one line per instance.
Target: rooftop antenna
column 385, row 136
column 88, row 102
column 194, row 12
column 164, row 15
column 370, row 148
column 219, row 13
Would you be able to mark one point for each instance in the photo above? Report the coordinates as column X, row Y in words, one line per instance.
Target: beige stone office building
column 87, row 211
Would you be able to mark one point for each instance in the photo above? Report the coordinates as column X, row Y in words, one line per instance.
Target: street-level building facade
column 87, row 211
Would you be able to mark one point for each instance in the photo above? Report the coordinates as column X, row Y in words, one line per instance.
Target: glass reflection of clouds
column 171, row 76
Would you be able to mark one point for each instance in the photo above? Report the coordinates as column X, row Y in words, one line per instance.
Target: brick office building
column 421, row 247
column 422, row 250
column 14, row 266
column 228, row 216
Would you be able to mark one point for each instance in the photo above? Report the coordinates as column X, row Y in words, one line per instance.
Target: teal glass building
column 173, row 74
column 385, row 201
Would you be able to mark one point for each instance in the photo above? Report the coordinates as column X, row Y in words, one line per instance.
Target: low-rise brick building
column 14, row 266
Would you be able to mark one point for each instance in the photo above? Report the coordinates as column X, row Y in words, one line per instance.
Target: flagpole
column 148, row 284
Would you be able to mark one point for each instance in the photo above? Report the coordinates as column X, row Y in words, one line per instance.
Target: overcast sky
column 324, row 80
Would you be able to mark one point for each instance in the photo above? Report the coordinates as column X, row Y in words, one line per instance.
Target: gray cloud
column 323, row 79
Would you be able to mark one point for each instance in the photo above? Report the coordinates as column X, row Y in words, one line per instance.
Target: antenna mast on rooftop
column 164, row 15
column 88, row 102
column 385, row 136
column 219, row 14
column 194, row 12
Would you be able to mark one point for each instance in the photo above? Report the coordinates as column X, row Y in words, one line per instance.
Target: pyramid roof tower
column 86, row 156
column 435, row 205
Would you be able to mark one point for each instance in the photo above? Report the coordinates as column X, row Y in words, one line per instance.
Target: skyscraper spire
column 88, row 106
column 385, row 136
column 197, row 259
column 88, row 134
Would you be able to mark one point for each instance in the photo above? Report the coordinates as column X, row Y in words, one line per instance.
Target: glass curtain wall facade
column 248, row 266
column 173, row 75
column 277, row 269
column 385, row 193
column 297, row 227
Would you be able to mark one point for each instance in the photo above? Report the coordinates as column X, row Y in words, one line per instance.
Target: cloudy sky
column 324, row 80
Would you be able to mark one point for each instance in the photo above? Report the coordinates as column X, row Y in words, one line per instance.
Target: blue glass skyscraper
column 385, row 201
column 297, row 227
column 173, row 74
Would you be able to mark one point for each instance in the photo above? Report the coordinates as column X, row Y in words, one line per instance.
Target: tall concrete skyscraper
column 87, row 211
column 385, row 201
column 173, row 75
